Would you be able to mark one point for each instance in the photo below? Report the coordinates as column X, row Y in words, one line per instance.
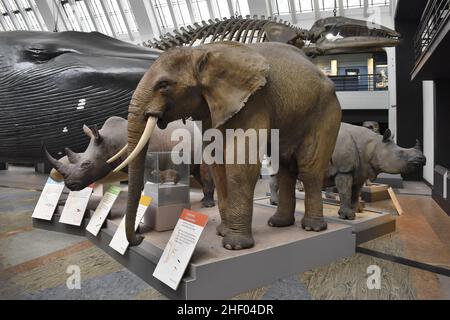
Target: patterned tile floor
column 34, row 263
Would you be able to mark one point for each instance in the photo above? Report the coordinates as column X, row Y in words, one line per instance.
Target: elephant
column 359, row 156
column 230, row 85
column 79, row 170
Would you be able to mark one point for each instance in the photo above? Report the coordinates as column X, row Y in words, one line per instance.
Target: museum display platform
column 217, row 273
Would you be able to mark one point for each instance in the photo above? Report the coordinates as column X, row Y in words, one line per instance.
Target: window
column 348, row 4
column 116, row 17
column 200, row 9
column 29, row 8
column 163, row 14
column 70, row 15
column 181, row 12
column 14, row 13
column 221, row 8
column 100, row 18
column 281, row 7
column 327, row 5
column 6, row 18
column 378, row 3
column 129, row 16
column 241, row 7
column 305, row 6
column 83, row 14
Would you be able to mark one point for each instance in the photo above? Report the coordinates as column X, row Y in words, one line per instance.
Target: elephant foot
column 281, row 220
column 237, row 241
column 222, row 229
column 208, row 202
column 136, row 241
column 314, row 223
column 346, row 213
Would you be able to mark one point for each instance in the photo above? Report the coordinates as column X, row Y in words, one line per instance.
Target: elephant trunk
column 139, row 134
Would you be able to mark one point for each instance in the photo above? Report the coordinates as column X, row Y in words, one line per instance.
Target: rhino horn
column 418, row 145
column 58, row 165
column 387, row 135
column 72, row 156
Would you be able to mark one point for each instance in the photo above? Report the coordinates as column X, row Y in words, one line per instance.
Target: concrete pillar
column 258, row 7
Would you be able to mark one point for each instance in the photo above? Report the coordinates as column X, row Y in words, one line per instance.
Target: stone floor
column 34, row 263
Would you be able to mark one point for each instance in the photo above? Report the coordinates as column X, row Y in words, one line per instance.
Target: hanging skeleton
column 327, row 36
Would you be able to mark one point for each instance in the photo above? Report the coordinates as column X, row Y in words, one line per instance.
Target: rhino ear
column 387, row 135
column 88, row 131
column 96, row 133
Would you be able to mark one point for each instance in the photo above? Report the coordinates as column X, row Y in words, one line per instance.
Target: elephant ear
column 229, row 74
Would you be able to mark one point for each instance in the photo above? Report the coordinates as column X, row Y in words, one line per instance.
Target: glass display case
column 168, row 185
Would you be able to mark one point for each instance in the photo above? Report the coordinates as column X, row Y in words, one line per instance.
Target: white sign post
column 48, row 200
column 119, row 241
column 179, row 249
column 100, row 214
column 75, row 206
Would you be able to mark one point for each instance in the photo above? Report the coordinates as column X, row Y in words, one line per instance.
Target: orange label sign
column 197, row 218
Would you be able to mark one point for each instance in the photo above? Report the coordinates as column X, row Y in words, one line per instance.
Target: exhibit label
column 75, row 206
column 48, row 200
column 102, row 210
column 179, row 249
column 119, row 241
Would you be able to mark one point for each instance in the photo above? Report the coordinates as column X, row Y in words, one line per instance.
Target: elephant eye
column 163, row 84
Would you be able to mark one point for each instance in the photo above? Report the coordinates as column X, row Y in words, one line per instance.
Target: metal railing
column 361, row 82
column 434, row 17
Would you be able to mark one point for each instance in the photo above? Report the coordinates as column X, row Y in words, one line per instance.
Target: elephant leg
column 356, row 192
column 273, row 185
column 219, row 178
column 344, row 183
column 313, row 219
column 207, row 185
column 284, row 216
column 241, row 181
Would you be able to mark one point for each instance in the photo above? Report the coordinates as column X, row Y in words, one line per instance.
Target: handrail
column 434, row 17
column 360, row 82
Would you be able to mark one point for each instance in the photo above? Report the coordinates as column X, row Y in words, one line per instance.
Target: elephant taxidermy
column 237, row 86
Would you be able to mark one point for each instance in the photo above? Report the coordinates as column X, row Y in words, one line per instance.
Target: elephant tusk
column 149, row 127
column 118, row 154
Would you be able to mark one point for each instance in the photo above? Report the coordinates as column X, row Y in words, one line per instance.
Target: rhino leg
column 344, row 183
column 273, row 185
column 284, row 216
column 356, row 192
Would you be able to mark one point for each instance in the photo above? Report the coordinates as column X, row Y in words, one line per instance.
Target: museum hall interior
column 224, row 149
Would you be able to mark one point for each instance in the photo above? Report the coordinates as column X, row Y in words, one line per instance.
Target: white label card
column 101, row 212
column 48, row 200
column 75, row 206
column 179, row 249
column 119, row 241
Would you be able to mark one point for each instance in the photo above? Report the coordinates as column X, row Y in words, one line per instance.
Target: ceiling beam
column 108, row 18
column 24, row 15
column 125, row 20
column 90, row 11
column 316, row 9
column 142, row 19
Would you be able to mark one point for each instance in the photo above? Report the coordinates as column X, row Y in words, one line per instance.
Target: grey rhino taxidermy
column 361, row 155
column 237, row 86
column 78, row 170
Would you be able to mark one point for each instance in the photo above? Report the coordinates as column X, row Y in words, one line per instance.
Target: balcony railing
column 434, row 17
column 361, row 82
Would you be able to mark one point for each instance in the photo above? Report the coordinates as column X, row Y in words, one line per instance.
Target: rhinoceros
column 78, row 170
column 360, row 155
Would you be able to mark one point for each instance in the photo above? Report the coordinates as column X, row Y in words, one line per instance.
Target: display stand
column 217, row 273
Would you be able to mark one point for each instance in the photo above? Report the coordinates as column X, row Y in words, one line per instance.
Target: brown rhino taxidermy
column 359, row 156
column 78, row 170
column 237, row 86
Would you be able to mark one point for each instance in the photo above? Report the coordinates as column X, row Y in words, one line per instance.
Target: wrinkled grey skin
column 372, row 125
column 82, row 169
column 230, row 85
column 360, row 155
